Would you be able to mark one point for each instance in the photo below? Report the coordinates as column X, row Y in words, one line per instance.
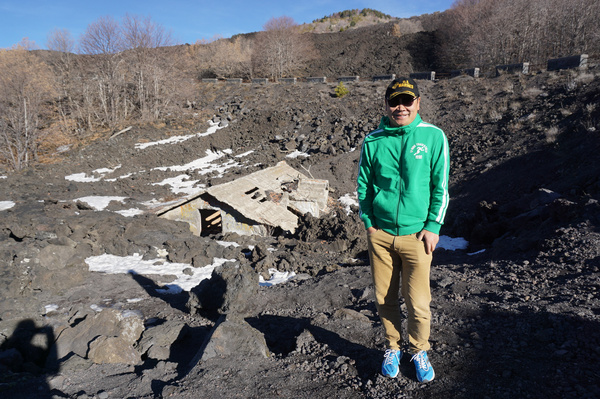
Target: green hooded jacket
column 403, row 178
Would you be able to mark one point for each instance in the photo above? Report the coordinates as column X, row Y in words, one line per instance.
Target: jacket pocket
column 415, row 206
column 385, row 201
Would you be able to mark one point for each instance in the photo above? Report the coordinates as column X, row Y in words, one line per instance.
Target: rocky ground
column 516, row 314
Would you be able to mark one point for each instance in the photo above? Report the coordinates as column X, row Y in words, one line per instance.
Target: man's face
column 402, row 109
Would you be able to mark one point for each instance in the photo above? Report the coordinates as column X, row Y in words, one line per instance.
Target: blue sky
column 188, row 21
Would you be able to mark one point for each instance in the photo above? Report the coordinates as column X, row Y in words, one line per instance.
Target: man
column 403, row 197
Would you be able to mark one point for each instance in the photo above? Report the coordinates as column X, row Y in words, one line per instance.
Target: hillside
column 516, row 311
column 372, row 51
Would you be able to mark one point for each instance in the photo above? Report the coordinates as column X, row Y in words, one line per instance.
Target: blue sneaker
column 424, row 370
column 391, row 362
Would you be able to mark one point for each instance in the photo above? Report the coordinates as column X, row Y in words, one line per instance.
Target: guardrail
column 348, row 79
column 423, row 75
column 576, row 61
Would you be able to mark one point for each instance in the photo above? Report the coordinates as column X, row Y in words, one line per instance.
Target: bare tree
column 492, row 32
column 67, row 73
column 280, row 49
column 25, row 84
column 151, row 76
column 224, row 57
column 143, row 33
column 103, row 39
column 241, row 52
column 203, row 52
column 132, row 76
column 60, row 40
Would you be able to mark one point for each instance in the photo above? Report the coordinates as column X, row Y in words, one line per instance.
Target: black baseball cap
column 402, row 85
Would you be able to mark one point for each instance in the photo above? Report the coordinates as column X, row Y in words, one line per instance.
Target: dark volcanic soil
column 517, row 314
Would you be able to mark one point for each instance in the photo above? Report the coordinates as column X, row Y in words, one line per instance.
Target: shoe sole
column 426, row 381
column 391, row 376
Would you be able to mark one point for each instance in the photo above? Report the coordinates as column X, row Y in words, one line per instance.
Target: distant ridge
column 347, row 19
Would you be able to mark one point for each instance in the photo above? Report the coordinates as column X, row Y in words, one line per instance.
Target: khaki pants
column 396, row 259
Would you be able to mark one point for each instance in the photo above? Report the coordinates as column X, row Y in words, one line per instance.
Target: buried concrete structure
column 255, row 204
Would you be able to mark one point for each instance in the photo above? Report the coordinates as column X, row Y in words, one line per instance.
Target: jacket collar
column 385, row 125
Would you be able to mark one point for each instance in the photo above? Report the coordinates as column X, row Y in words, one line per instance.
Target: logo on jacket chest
column 418, row 150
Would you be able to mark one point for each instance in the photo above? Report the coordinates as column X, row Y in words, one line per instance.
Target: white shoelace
column 420, row 357
column 389, row 356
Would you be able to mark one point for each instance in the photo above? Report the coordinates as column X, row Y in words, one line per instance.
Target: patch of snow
column 179, row 139
column 130, row 212
column 84, row 178
column 50, row 308
column 180, row 184
column 104, row 171
column 135, row 264
column 204, row 165
column 4, row 205
column 244, row 154
column 348, row 200
column 277, row 277
column 163, row 253
column 228, row 244
column 99, row 202
column 297, row 154
column 452, row 244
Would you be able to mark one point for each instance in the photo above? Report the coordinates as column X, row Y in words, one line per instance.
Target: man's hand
column 429, row 239
column 371, row 230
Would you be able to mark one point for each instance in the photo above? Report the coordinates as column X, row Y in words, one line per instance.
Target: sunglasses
column 407, row 101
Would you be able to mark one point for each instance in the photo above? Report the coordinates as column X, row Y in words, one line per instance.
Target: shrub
column 341, row 90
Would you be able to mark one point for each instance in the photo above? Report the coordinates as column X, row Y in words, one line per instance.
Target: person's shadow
column 27, row 360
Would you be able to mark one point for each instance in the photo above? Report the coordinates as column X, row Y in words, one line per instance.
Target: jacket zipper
column 401, row 170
